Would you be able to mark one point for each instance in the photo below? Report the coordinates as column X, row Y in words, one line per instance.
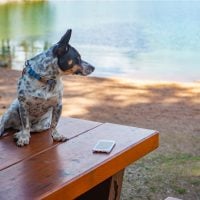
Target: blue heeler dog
column 39, row 103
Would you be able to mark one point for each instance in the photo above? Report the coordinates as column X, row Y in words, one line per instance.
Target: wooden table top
column 50, row 170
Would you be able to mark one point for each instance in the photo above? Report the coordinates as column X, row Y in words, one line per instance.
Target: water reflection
column 22, row 27
column 5, row 54
column 25, row 19
column 14, row 55
column 138, row 39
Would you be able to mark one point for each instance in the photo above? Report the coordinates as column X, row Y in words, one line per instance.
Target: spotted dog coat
column 39, row 93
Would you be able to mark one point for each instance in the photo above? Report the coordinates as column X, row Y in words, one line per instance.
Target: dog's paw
column 22, row 138
column 58, row 137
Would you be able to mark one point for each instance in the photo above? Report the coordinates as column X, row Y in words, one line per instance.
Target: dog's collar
column 28, row 69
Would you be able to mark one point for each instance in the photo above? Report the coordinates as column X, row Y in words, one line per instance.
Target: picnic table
column 50, row 170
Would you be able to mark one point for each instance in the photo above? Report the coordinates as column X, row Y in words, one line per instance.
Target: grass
column 157, row 176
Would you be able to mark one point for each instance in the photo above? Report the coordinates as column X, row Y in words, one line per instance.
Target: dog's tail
column 2, row 129
column 3, row 122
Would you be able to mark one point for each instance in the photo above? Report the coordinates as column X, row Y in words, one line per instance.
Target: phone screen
column 104, row 146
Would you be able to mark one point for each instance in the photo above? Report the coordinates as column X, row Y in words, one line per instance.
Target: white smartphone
column 104, row 146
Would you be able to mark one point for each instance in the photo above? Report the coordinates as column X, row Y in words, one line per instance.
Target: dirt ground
column 171, row 108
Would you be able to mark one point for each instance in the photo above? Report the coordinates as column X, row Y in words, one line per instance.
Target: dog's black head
column 69, row 59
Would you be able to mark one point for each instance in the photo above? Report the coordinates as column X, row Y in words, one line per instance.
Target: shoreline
column 146, row 81
column 128, row 79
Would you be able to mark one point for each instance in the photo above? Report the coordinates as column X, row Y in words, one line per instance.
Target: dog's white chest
column 40, row 112
column 39, row 106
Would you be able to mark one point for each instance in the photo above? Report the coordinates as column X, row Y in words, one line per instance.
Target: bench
column 50, row 170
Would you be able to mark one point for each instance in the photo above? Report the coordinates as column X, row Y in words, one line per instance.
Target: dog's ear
column 62, row 45
column 65, row 39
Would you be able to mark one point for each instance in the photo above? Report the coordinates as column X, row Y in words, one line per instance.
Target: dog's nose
column 89, row 70
column 92, row 68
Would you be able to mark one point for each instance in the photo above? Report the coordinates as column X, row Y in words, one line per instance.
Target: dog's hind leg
column 55, row 118
column 10, row 118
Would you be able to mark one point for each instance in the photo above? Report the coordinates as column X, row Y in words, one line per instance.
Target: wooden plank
column 70, row 169
column 11, row 154
column 107, row 167
column 72, row 127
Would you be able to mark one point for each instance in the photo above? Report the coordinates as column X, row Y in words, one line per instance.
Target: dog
column 38, row 105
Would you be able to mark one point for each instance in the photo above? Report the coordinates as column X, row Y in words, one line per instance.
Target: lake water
column 141, row 40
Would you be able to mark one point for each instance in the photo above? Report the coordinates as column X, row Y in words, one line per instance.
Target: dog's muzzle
column 86, row 68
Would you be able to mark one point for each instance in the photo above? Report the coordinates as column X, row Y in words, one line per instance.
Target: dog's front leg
column 23, row 136
column 55, row 118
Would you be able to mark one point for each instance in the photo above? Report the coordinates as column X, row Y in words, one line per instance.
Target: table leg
column 109, row 189
column 116, row 186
